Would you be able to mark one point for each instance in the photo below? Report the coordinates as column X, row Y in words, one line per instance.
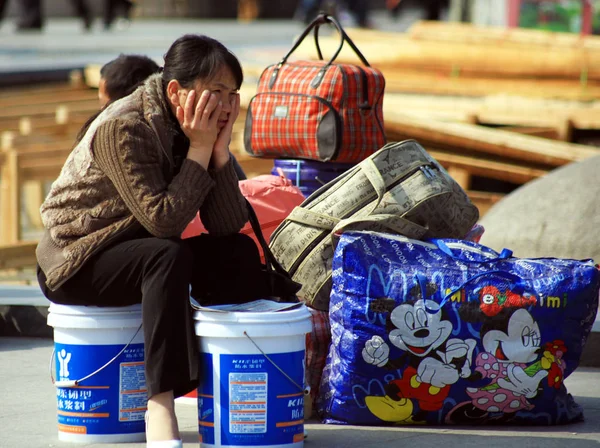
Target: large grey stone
column 554, row 216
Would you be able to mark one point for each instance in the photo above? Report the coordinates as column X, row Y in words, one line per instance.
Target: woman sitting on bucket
column 133, row 182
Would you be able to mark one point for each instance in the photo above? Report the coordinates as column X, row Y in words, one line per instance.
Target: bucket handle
column 304, row 390
column 75, row 383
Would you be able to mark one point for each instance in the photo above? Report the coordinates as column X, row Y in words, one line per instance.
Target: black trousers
column 30, row 15
column 2, row 8
column 158, row 273
column 111, row 9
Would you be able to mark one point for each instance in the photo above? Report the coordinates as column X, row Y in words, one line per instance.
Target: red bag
column 272, row 198
column 317, row 110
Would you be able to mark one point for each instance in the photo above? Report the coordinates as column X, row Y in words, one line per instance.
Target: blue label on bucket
column 113, row 401
column 260, row 406
column 206, row 400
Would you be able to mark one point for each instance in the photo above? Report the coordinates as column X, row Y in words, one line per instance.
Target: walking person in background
column 359, row 9
column 30, row 14
column 114, row 216
column 3, row 4
column 111, row 10
column 433, row 8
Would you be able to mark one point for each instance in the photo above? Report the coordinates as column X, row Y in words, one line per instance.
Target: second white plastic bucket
column 108, row 406
column 252, row 378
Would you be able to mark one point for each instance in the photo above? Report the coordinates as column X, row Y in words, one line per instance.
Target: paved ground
column 28, row 414
column 64, row 44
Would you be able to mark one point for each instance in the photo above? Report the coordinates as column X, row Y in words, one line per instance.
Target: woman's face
column 223, row 86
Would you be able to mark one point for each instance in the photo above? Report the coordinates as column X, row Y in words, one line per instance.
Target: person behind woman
column 121, row 76
column 111, row 8
column 113, row 218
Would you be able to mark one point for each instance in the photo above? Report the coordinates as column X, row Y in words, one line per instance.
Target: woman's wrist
column 219, row 159
column 200, row 156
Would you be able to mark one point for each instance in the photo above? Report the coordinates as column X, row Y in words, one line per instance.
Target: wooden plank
column 88, row 106
column 484, row 200
column 498, row 109
column 14, row 123
column 56, row 88
column 550, row 133
column 34, row 145
column 33, row 195
column 10, row 192
column 523, row 148
column 18, row 255
column 400, row 51
column 49, row 127
column 67, row 97
column 500, row 36
column 460, row 174
column 508, row 172
column 92, row 75
column 430, row 82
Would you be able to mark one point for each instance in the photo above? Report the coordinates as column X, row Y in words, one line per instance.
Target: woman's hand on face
column 199, row 124
column 220, row 155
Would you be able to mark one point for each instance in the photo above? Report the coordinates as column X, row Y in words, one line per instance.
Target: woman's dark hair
column 126, row 73
column 193, row 57
column 121, row 76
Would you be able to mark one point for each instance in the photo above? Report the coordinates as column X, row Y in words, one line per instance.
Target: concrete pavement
column 28, row 415
column 63, row 45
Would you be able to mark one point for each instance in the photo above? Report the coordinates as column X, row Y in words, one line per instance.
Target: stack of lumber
column 492, row 103
column 38, row 128
column 460, row 59
column 38, row 125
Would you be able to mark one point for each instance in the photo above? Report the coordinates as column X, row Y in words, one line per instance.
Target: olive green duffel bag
column 399, row 189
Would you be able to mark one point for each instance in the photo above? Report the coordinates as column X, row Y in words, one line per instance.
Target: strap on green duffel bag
column 400, row 189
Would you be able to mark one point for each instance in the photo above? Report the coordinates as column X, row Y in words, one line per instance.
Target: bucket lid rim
column 92, row 310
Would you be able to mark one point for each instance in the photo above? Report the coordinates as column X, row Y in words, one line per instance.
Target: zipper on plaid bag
column 336, row 115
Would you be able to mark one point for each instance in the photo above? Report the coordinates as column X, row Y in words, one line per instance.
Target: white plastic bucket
column 243, row 399
column 109, row 406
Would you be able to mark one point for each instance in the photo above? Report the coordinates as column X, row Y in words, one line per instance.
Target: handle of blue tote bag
column 441, row 245
column 517, row 281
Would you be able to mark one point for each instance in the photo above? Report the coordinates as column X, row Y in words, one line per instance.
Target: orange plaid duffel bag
column 317, row 110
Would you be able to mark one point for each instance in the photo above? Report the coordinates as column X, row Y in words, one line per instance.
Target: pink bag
column 272, row 197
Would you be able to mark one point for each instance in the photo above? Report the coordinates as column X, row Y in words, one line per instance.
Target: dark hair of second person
column 121, row 76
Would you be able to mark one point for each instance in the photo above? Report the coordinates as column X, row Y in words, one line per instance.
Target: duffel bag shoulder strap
column 382, row 223
column 309, row 223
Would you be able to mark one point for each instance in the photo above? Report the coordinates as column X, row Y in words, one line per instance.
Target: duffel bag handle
column 324, row 18
column 441, row 245
column 321, row 19
column 270, row 260
column 277, row 272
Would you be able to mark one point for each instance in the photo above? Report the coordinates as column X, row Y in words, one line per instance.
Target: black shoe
column 127, row 7
column 34, row 27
